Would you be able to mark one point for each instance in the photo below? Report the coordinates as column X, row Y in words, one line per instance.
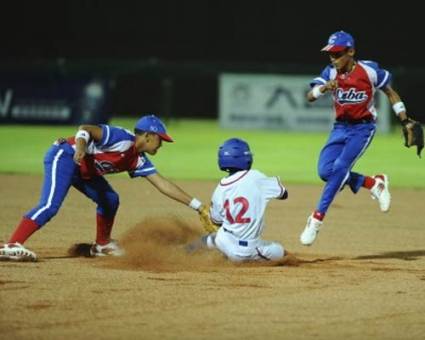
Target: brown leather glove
column 204, row 217
column 413, row 134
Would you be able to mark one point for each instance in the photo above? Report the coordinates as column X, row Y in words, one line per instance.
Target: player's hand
column 79, row 155
column 331, row 85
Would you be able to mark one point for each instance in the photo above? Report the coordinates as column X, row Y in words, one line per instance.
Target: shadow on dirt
column 410, row 255
column 80, row 250
column 321, row 260
column 64, row 257
column 160, row 244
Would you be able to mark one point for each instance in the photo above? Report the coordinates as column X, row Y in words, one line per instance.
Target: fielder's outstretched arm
column 173, row 191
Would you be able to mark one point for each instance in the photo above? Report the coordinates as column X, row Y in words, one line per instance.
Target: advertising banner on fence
column 249, row 101
column 52, row 100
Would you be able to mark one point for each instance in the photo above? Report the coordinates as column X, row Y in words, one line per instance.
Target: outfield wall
column 264, row 101
column 186, row 89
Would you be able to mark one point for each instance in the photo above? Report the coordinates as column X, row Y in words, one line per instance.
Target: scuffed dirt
column 364, row 278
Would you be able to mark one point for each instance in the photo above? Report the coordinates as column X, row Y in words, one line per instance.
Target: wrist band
column 83, row 134
column 195, row 204
column 399, row 107
column 316, row 93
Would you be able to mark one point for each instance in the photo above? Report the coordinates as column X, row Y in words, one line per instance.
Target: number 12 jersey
column 239, row 202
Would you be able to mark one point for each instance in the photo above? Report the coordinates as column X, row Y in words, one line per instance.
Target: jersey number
column 240, row 216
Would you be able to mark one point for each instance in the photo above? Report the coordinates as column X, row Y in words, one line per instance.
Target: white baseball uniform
column 238, row 204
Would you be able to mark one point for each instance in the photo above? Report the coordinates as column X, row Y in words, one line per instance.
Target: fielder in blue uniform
column 353, row 84
column 81, row 162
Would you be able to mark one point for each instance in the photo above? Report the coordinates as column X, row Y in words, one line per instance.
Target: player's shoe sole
column 110, row 249
column 16, row 252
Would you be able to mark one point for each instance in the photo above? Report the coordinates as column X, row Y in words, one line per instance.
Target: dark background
column 164, row 56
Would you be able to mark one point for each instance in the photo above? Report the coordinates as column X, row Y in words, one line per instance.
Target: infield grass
column 291, row 155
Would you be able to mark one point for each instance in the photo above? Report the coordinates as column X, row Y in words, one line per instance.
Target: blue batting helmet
column 234, row 153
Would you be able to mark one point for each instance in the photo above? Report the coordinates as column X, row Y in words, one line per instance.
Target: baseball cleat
column 381, row 193
column 310, row 231
column 16, row 252
column 205, row 242
column 110, row 249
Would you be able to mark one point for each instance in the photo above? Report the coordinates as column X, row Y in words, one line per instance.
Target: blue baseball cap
column 339, row 41
column 152, row 124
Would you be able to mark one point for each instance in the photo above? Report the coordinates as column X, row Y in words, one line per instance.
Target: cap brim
column 165, row 137
column 333, row 48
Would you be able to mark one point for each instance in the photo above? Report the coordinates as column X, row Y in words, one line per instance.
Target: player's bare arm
column 173, row 191
column 84, row 134
column 394, row 98
column 169, row 189
column 314, row 93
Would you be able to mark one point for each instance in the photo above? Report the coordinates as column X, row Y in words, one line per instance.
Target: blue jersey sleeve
column 112, row 135
column 323, row 78
column 144, row 168
column 383, row 77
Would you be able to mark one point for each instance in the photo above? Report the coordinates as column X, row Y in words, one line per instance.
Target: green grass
column 291, row 155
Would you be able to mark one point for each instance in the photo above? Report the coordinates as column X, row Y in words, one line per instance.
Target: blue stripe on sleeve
column 383, row 77
column 146, row 169
column 113, row 134
column 323, row 79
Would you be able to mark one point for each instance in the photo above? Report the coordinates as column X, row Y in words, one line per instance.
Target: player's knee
column 112, row 202
column 276, row 252
column 324, row 173
column 114, row 199
column 340, row 166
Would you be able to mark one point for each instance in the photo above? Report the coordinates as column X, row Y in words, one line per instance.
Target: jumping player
column 353, row 84
column 81, row 162
column 238, row 206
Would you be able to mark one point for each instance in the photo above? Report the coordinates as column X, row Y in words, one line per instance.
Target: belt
column 365, row 120
column 242, row 243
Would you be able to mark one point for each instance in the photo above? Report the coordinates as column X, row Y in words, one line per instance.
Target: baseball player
column 238, row 206
column 353, row 84
column 81, row 162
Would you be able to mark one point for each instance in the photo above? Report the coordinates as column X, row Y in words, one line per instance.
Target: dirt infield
column 363, row 279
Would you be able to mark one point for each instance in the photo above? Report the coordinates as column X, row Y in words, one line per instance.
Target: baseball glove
column 413, row 135
column 204, row 217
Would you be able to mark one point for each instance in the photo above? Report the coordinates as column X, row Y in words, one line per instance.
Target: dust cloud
column 158, row 244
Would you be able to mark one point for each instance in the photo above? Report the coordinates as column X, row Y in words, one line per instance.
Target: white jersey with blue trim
column 240, row 200
column 115, row 152
column 354, row 96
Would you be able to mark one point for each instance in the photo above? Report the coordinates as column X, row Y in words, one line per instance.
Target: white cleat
column 310, row 231
column 381, row 193
column 110, row 249
column 16, row 252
